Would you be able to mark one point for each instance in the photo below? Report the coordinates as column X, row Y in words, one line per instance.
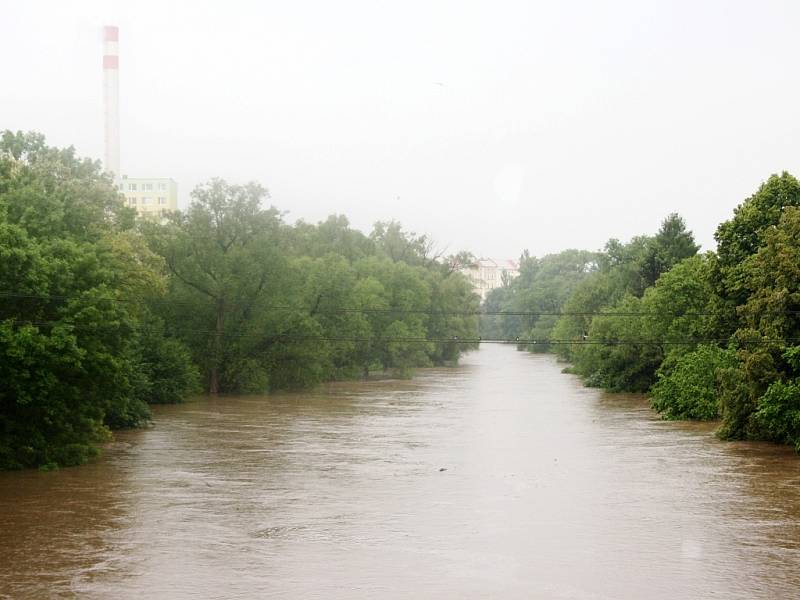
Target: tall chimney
column 111, row 98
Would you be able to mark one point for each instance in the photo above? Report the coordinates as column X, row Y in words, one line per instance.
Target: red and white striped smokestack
column 111, row 98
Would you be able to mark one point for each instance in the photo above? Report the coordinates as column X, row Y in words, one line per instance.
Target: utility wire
column 431, row 312
column 583, row 341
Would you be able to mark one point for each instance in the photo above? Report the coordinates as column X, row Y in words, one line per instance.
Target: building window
column 162, row 186
column 131, row 200
column 146, row 200
column 147, row 187
column 162, row 200
column 132, row 187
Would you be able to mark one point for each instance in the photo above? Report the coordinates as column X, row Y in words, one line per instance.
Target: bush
column 778, row 415
column 690, row 390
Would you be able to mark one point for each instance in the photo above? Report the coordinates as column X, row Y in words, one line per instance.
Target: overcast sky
column 492, row 126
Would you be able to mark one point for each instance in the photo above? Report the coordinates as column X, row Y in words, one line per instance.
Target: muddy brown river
column 502, row 478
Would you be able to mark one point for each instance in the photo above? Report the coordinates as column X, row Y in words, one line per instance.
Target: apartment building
column 152, row 198
column 487, row 274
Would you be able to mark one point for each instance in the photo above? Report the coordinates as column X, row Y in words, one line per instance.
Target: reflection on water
column 549, row 490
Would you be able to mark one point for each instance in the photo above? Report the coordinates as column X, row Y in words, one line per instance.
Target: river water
column 502, row 478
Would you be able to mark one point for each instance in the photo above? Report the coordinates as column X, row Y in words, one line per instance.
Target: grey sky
column 556, row 124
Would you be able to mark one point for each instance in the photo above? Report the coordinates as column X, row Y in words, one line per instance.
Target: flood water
column 549, row 490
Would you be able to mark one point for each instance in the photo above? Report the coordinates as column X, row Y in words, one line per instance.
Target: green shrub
column 778, row 415
column 690, row 390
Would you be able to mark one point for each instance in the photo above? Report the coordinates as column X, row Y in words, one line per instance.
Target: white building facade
column 487, row 274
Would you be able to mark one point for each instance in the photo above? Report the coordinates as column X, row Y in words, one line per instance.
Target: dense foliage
column 80, row 350
column 689, row 388
column 708, row 336
column 540, row 290
column 101, row 315
column 265, row 305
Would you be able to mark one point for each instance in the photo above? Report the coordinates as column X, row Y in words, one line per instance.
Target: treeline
column 541, row 289
column 102, row 315
column 711, row 336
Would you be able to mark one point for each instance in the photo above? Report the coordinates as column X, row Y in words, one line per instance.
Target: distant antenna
column 111, row 98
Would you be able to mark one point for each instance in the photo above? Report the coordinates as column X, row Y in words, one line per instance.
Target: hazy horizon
column 492, row 127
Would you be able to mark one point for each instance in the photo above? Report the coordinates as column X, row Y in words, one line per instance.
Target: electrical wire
column 519, row 341
column 430, row 312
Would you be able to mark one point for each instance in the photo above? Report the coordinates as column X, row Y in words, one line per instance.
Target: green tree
column 332, row 236
column 618, row 356
column 402, row 308
column 224, row 258
column 691, row 387
column 542, row 287
column 398, row 245
column 675, row 309
column 672, row 244
column 742, row 236
column 777, row 417
column 770, row 327
column 330, row 294
column 454, row 310
column 75, row 280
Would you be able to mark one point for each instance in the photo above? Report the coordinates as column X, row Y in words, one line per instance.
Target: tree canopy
column 76, row 281
column 102, row 315
column 708, row 336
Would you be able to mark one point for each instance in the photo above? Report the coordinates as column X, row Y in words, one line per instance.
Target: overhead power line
column 470, row 340
column 430, row 312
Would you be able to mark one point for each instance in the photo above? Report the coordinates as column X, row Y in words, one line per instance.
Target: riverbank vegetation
column 102, row 315
column 708, row 336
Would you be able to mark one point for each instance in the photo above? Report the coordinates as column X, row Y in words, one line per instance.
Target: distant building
column 487, row 274
column 151, row 197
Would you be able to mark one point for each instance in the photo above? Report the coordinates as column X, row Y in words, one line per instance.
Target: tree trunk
column 213, row 383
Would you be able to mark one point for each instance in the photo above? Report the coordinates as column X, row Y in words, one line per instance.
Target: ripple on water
column 549, row 490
